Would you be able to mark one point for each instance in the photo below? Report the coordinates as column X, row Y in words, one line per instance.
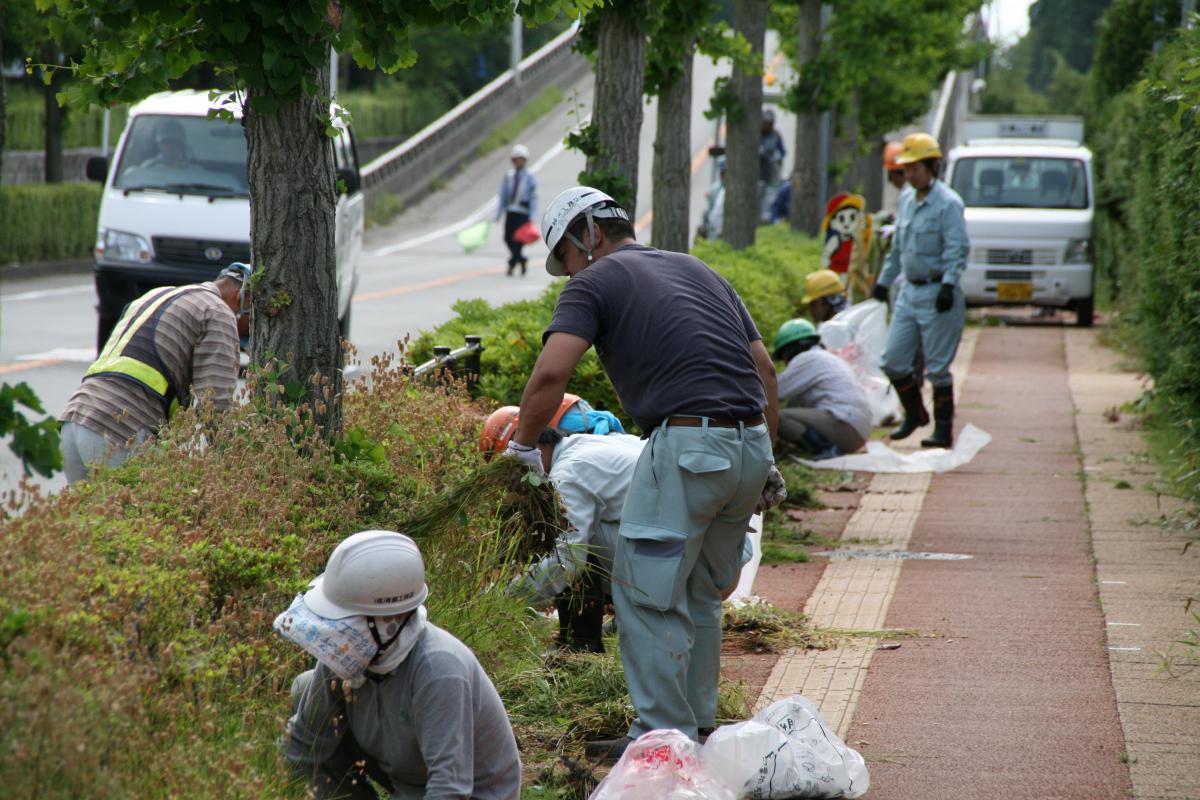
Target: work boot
column 524, row 264
column 915, row 415
column 511, row 266
column 943, row 418
column 606, row 751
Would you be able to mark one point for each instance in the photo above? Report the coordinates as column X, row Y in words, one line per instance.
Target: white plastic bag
column 786, row 751
column 662, row 765
column 858, row 335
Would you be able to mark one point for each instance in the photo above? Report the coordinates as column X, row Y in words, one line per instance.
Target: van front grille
column 199, row 252
column 1008, row 275
column 1042, row 257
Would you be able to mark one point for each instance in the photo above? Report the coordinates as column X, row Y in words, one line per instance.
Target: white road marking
column 1125, row 624
column 82, row 355
column 39, row 294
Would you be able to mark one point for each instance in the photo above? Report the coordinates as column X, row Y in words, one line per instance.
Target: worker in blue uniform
column 930, row 248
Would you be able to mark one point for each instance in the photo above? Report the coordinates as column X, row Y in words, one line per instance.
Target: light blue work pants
column 916, row 322
column 679, row 545
column 83, row 448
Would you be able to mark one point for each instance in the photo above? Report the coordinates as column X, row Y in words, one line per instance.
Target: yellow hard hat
column 821, row 283
column 918, row 147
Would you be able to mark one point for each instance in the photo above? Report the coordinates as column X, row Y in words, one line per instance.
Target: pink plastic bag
column 527, row 234
column 662, row 765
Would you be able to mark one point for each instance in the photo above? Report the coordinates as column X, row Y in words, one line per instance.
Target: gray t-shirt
column 672, row 334
column 435, row 724
column 819, row 379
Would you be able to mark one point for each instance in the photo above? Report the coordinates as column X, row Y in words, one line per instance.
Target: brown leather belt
column 698, row 422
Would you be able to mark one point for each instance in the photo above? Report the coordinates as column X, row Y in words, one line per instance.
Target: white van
column 176, row 204
column 1027, row 186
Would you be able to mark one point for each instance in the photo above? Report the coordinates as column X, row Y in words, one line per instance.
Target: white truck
column 1026, row 183
column 176, row 204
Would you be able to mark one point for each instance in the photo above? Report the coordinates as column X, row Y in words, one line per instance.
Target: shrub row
column 47, row 222
column 1148, row 153
column 25, row 123
column 769, row 277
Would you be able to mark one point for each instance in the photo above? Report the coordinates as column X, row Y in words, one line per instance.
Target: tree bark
column 672, row 162
column 293, row 199
column 807, row 206
column 53, row 123
column 743, row 205
column 617, row 108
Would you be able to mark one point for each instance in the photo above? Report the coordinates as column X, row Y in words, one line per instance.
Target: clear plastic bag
column 662, row 765
column 786, row 751
column 858, row 335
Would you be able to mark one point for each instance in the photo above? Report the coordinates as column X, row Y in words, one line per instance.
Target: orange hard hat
column 563, row 407
column 498, row 429
column 890, row 151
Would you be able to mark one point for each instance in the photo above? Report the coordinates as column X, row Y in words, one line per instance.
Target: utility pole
column 514, row 55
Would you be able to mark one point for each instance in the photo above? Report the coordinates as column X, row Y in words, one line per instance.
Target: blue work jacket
column 931, row 241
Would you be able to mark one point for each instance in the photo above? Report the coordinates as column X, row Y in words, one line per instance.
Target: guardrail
column 954, row 99
column 409, row 169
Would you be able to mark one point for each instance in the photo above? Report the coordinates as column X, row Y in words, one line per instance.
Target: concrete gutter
column 44, row 269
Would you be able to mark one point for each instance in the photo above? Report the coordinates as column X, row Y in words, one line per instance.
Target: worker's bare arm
column 547, row 383
column 766, row 370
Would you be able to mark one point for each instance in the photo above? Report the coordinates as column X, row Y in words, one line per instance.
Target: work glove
column 527, row 455
column 945, row 298
column 880, row 293
column 774, row 493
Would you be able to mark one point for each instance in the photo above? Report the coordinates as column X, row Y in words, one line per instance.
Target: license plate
column 1014, row 291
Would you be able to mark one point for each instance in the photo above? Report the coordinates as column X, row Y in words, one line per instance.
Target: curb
column 44, row 269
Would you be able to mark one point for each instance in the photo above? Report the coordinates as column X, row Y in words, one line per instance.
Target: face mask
column 349, row 646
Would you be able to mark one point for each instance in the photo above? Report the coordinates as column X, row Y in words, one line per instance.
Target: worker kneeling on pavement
column 822, row 407
column 393, row 698
column 172, row 344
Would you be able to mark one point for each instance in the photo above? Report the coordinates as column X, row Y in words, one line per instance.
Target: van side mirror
column 97, row 169
column 350, row 178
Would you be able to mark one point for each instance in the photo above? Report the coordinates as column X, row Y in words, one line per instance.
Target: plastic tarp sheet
column 858, row 335
column 881, row 458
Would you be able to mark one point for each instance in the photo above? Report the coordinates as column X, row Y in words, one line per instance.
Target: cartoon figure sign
column 847, row 232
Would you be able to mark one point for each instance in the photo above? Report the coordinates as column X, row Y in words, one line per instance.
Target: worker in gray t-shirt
column 394, row 698
column 691, row 370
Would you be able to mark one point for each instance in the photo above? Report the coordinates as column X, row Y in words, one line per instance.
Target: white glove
column 775, row 492
column 529, row 456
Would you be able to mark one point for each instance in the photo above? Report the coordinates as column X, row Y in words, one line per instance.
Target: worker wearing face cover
column 394, row 702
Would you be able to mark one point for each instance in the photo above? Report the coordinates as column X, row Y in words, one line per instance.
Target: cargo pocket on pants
column 651, row 567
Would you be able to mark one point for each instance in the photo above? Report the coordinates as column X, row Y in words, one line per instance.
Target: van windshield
column 184, row 155
column 1016, row 182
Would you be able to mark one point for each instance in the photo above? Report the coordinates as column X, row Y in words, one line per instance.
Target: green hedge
column 769, row 277
column 1148, row 157
column 394, row 111
column 26, row 130
column 48, row 222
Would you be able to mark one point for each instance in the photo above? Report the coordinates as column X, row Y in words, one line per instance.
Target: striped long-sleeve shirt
column 197, row 341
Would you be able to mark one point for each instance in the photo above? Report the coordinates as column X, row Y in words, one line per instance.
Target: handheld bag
column 662, row 765
column 527, row 234
column 786, row 751
column 473, row 237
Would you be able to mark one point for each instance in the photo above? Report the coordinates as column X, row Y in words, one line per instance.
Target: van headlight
column 122, row 246
column 1079, row 251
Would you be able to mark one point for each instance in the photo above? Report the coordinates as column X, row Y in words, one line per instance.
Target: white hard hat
column 519, row 151
column 565, row 209
column 376, row 573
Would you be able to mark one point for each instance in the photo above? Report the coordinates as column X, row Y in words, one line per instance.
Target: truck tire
column 1085, row 311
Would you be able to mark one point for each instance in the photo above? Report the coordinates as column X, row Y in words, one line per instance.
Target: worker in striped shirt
column 172, row 345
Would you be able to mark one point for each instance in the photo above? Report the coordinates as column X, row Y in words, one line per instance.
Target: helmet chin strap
column 589, row 248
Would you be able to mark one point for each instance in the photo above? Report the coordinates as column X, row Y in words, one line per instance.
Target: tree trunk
column 807, row 206
column 672, row 162
column 743, row 204
column 292, row 216
column 53, row 170
column 617, row 108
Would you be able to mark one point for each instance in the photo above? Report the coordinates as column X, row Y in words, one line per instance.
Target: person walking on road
column 171, row 345
column 394, row 700
column 517, row 204
column 930, row 249
column 770, row 163
column 823, row 407
column 691, row 370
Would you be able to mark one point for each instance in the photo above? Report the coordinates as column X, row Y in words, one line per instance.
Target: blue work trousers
column 679, row 547
column 917, row 324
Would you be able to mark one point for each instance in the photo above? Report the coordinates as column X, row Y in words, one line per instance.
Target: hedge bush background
column 769, row 277
column 1148, row 180
column 48, row 222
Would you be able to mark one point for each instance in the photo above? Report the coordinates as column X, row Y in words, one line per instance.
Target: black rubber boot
column 915, row 414
column 943, row 418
